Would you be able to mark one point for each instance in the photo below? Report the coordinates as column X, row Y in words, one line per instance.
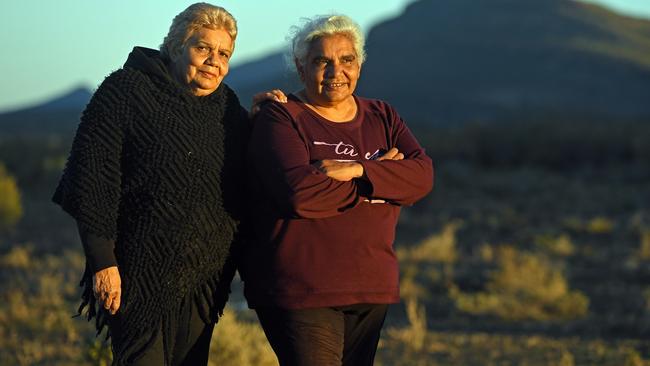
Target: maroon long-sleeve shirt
column 317, row 241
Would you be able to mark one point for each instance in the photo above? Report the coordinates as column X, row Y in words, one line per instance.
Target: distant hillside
column 448, row 61
column 59, row 115
column 266, row 73
column 456, row 60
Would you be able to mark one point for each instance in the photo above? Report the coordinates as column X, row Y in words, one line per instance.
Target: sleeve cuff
column 99, row 251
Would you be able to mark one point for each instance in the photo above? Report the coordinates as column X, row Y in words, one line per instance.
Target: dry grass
column 38, row 296
column 239, row 343
column 36, row 308
column 439, row 247
column 524, row 286
column 483, row 349
column 560, row 246
column 644, row 247
column 11, row 208
column 594, row 225
column 567, row 231
column 600, row 225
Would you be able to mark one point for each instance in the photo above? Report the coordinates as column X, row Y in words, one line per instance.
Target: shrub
column 38, row 296
column 524, row 286
column 412, row 337
column 632, row 358
column 644, row 249
column 10, row 207
column 600, row 225
column 595, row 225
column 239, row 343
column 560, row 246
column 417, row 317
column 439, row 247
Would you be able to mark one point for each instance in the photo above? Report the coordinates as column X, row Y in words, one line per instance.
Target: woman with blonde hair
column 331, row 171
column 153, row 181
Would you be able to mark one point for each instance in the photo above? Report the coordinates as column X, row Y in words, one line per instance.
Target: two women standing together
column 173, row 188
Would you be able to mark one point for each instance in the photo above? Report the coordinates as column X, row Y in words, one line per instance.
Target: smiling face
column 330, row 70
column 203, row 62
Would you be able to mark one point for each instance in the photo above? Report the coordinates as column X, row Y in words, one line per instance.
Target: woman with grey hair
column 153, row 181
column 331, row 171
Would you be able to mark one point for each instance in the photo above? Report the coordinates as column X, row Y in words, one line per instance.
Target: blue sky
column 49, row 47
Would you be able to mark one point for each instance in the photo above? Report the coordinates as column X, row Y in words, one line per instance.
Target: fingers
column 109, row 299
column 254, row 109
column 277, row 95
column 112, row 302
column 340, row 170
column 107, row 287
column 99, row 287
column 326, row 162
column 274, row 95
column 392, row 154
column 115, row 305
column 389, row 155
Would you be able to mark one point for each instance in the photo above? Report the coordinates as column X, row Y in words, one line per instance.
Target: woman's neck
column 345, row 111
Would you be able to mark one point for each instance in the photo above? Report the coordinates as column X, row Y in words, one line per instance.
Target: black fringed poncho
column 158, row 170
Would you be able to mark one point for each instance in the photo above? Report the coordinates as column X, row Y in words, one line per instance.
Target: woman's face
column 203, row 62
column 330, row 71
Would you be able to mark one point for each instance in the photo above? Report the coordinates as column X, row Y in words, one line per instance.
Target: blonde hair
column 191, row 20
column 322, row 26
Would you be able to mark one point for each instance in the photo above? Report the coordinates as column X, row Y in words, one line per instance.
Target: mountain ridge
column 487, row 60
column 444, row 62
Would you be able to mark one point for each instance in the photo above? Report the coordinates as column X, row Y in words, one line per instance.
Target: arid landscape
column 532, row 249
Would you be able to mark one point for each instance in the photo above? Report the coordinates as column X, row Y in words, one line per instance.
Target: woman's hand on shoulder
column 275, row 95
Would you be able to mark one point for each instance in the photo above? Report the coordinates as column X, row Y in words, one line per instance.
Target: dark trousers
column 191, row 346
column 341, row 335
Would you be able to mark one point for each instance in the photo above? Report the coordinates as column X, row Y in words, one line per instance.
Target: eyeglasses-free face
column 205, row 60
column 330, row 71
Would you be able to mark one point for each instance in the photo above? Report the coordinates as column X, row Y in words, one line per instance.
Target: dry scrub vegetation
column 533, row 249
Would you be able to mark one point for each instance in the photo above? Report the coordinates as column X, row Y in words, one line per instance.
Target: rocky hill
column 445, row 62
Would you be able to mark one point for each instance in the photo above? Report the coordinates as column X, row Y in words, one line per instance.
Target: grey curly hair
column 191, row 20
column 322, row 26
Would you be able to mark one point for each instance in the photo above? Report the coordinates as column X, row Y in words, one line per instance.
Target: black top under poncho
column 158, row 171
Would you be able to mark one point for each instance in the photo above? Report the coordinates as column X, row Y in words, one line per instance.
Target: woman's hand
column 340, row 170
column 275, row 95
column 107, row 286
column 392, row 154
column 347, row 170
